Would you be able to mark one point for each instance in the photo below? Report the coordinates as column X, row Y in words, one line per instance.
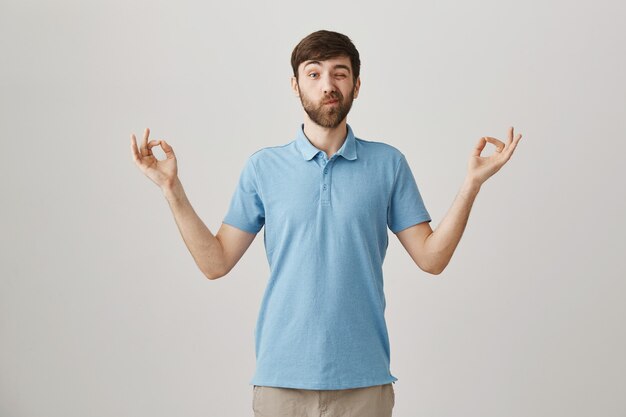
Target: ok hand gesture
column 162, row 173
column 482, row 167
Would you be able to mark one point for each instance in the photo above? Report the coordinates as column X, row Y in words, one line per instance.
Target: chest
column 340, row 190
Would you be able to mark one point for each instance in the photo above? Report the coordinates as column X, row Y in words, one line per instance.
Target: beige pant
column 374, row 401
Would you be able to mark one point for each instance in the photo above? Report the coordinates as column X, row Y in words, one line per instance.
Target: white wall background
column 103, row 311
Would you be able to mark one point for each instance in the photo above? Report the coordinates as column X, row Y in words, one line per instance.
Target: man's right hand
column 162, row 173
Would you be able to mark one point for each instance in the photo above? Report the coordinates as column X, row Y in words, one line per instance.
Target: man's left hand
column 480, row 168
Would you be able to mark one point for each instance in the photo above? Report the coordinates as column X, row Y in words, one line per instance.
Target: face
column 323, row 81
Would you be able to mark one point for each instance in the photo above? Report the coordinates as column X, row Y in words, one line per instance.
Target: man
column 326, row 200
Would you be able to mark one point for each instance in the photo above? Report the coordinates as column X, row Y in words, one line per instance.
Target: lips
column 332, row 102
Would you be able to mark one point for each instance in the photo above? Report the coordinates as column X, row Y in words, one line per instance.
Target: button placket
column 326, row 181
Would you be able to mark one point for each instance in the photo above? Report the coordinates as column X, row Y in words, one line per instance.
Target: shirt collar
column 308, row 150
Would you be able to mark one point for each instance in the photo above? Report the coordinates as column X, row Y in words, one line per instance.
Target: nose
column 328, row 86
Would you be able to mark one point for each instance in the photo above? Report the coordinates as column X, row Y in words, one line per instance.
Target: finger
column 510, row 135
column 497, row 143
column 133, row 148
column 479, row 147
column 515, row 142
column 169, row 152
column 144, row 145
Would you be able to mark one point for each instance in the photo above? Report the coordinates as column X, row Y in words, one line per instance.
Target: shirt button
column 325, row 170
column 324, row 187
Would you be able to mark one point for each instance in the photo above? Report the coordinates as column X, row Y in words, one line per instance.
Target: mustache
column 331, row 97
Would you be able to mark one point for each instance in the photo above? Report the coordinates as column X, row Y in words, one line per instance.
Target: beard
column 325, row 115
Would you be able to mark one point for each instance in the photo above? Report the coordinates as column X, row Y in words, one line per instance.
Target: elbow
column 213, row 275
column 430, row 270
column 436, row 264
column 434, row 269
column 216, row 270
column 438, row 269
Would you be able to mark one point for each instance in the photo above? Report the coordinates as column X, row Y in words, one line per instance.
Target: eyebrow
column 335, row 67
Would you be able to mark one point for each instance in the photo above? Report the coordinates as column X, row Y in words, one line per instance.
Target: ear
column 294, row 86
column 357, row 86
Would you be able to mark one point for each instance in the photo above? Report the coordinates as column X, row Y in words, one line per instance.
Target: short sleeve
column 246, row 210
column 406, row 207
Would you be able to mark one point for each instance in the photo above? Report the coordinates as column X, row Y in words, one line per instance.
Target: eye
column 341, row 75
column 312, row 73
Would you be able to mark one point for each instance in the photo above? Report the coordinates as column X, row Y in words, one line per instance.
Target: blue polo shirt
column 321, row 324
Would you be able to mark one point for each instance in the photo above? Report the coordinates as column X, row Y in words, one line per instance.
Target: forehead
column 338, row 62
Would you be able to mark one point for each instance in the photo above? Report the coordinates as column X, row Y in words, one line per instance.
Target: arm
column 215, row 255
column 432, row 250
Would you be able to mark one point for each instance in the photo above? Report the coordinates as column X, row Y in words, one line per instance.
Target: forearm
column 203, row 245
column 442, row 243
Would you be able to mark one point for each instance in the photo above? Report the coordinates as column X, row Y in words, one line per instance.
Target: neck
column 327, row 139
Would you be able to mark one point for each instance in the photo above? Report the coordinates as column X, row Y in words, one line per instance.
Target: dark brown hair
column 322, row 45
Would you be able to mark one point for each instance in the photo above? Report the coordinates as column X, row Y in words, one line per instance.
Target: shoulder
column 269, row 151
column 379, row 150
column 270, row 159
